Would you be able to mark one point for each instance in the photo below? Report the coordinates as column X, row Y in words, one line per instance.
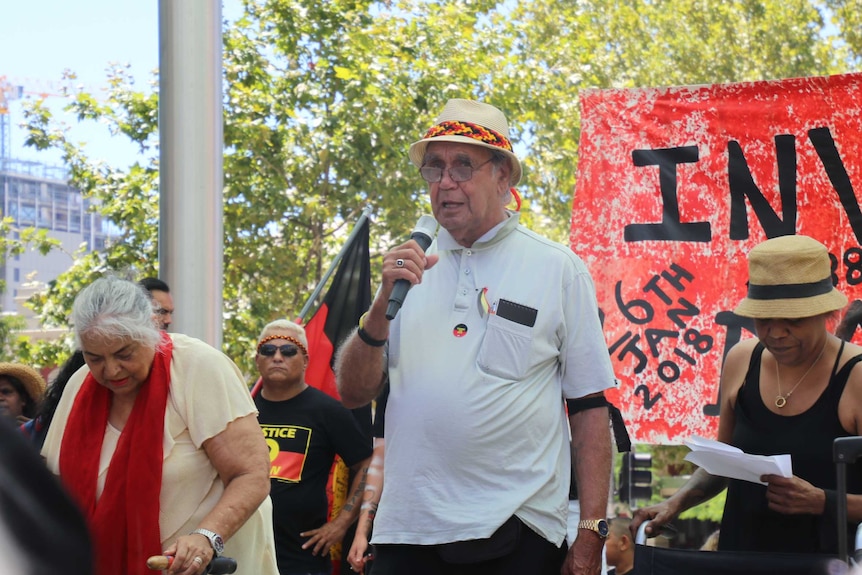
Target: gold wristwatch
column 600, row 526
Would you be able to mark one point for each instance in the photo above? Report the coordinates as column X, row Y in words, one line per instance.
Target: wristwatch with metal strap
column 215, row 540
column 600, row 526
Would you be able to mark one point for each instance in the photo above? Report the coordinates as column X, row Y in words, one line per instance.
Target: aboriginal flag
column 349, row 296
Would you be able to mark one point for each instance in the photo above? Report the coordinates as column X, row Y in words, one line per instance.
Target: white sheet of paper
column 728, row 461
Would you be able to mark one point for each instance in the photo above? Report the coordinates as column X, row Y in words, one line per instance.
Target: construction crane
column 8, row 92
column 14, row 89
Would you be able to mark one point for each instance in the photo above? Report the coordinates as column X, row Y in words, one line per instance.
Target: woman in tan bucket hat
column 21, row 389
column 793, row 389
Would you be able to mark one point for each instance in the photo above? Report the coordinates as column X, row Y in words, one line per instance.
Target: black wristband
column 621, row 434
column 363, row 335
column 582, row 404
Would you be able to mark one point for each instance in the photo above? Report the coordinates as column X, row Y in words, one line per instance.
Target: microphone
column 426, row 229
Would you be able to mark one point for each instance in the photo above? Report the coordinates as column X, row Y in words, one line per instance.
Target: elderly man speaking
column 500, row 326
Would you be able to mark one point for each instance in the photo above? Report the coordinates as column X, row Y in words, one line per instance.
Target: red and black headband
column 470, row 130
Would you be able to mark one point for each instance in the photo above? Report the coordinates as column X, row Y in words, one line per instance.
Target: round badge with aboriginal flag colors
column 459, row 330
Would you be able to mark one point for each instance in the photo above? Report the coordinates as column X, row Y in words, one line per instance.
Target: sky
column 39, row 39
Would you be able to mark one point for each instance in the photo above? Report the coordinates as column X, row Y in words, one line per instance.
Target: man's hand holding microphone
column 404, row 265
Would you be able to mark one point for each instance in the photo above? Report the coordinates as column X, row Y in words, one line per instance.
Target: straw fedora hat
column 33, row 383
column 469, row 122
column 789, row 277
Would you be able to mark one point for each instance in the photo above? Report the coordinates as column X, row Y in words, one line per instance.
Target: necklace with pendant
column 781, row 400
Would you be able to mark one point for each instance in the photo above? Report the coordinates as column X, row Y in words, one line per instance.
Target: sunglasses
column 269, row 349
column 433, row 174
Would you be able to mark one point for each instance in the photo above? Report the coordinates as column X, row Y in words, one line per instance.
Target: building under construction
column 34, row 195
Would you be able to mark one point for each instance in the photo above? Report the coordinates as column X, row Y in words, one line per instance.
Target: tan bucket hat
column 789, row 277
column 34, row 384
column 469, row 122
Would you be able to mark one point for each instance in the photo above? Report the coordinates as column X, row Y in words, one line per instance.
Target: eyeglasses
column 269, row 349
column 433, row 175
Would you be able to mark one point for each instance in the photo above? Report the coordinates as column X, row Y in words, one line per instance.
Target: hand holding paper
column 726, row 460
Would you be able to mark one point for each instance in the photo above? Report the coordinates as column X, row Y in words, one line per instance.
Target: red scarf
column 124, row 522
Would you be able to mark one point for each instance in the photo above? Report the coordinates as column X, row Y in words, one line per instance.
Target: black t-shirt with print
column 304, row 434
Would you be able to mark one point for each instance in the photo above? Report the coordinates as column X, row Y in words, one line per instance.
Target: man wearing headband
column 305, row 429
column 500, row 326
column 793, row 390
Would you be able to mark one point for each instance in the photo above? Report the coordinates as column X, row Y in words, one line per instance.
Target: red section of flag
column 287, row 465
column 321, row 352
column 675, row 186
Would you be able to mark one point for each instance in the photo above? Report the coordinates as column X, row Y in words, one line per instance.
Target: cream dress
column 207, row 392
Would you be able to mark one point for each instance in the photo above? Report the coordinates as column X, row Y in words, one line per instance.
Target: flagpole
column 366, row 212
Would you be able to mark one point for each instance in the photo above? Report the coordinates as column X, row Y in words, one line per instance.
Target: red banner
column 675, row 186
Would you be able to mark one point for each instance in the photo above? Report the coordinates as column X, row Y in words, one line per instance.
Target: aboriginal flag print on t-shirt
column 288, row 450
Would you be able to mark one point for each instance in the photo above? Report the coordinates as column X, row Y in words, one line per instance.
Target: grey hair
column 285, row 325
column 498, row 160
column 115, row 308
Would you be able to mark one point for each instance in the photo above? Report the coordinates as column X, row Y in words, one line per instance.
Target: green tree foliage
column 847, row 16
column 14, row 242
column 322, row 100
column 569, row 46
column 9, row 342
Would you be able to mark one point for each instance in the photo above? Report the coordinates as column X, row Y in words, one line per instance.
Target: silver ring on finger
column 399, row 263
column 198, row 561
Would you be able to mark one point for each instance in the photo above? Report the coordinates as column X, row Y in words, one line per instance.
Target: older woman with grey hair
column 157, row 439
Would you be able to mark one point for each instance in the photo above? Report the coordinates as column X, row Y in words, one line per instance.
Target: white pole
column 190, row 169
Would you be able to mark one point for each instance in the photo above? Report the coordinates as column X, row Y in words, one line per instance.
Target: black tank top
column 748, row 524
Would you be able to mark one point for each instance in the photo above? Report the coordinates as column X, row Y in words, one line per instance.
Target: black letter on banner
column 742, row 184
column 632, row 348
column 688, row 309
column 670, row 228
column 680, row 274
column 735, row 324
column 853, row 263
column 654, row 337
column 825, row 146
column 626, row 308
column 648, row 401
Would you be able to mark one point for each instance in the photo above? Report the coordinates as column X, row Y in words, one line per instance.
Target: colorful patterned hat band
column 469, row 122
column 469, row 130
column 292, row 340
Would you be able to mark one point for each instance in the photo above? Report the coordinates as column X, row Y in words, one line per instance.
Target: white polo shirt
column 475, row 426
